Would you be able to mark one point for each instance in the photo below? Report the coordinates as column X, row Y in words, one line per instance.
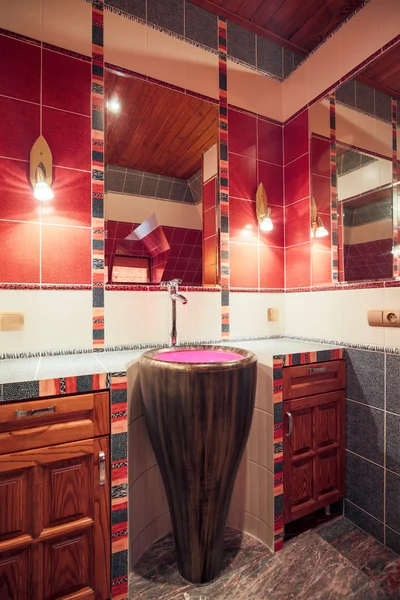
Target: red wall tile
column 242, row 133
column 320, row 157
column 209, row 222
column 19, row 69
column 297, row 180
column 298, row 265
column 242, row 176
column 295, row 135
column 71, row 204
column 243, row 225
column 20, row 250
column 298, row 222
column 243, row 265
column 321, row 190
column 66, row 82
column 66, row 254
column 209, row 194
column 270, row 142
column 17, row 201
column 321, row 268
column 271, row 176
column 271, row 267
column 69, row 137
column 19, row 128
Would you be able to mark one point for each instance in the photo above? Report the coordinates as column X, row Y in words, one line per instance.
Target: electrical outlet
column 391, row 318
column 273, row 314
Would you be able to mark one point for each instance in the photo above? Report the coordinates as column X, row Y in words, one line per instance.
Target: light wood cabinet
column 55, row 503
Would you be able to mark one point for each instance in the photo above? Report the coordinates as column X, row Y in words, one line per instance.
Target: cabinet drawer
column 311, row 379
column 36, row 423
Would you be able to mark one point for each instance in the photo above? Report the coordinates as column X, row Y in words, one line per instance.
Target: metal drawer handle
column 35, row 412
column 102, row 468
column 290, row 418
column 317, row 370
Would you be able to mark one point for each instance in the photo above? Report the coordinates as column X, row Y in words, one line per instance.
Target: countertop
column 71, row 365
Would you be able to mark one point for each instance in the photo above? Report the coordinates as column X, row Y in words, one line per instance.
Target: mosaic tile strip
column 44, row 286
column 223, row 178
column 334, row 196
column 98, row 174
column 278, row 453
column 395, row 192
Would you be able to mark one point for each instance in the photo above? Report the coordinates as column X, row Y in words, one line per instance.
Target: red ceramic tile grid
column 65, row 254
column 242, row 176
column 244, row 265
column 297, row 179
column 19, row 247
column 156, row 242
column 270, row 139
column 19, row 69
column 19, row 127
column 297, row 265
column 210, row 233
column 71, row 204
column 298, row 222
column 321, row 264
column 66, row 82
column 295, row 135
column 158, row 266
column 370, row 260
column 68, row 136
column 242, row 137
column 17, row 201
column 271, row 176
column 271, row 267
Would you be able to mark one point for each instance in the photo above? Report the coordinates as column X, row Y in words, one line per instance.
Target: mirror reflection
column 161, row 184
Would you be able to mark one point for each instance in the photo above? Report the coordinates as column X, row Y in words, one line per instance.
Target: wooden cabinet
column 314, row 444
column 55, row 501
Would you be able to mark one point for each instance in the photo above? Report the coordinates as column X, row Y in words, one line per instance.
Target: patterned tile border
column 395, row 192
column 98, row 174
column 223, row 178
column 58, row 49
column 334, row 196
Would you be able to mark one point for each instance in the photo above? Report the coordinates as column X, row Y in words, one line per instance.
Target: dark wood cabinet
column 55, row 506
column 313, row 452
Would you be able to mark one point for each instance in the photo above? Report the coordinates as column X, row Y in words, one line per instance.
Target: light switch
column 11, row 321
column 273, row 314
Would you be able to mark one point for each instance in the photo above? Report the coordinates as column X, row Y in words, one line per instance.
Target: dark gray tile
column 393, row 501
column 168, row 14
column 335, row 529
column 164, row 188
column 383, row 106
column 297, row 59
column 178, row 190
column 365, row 377
column 149, row 186
column 114, row 181
column 365, row 98
column 20, row 391
column 119, row 446
column 365, row 431
column 393, row 540
column 288, row 62
column 116, row 168
column 346, row 93
column 241, row 43
column 364, row 485
column 393, row 383
column 269, row 56
column 133, row 183
column 188, row 199
column 133, row 7
column 364, row 521
column 392, row 442
column 201, row 25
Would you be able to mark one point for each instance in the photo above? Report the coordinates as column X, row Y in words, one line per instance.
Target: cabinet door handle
column 35, row 412
column 317, row 370
column 102, row 468
column 290, row 419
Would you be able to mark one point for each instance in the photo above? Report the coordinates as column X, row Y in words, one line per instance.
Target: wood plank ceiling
column 384, row 73
column 297, row 24
column 157, row 129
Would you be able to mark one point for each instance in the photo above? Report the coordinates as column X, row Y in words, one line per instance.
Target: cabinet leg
column 328, row 510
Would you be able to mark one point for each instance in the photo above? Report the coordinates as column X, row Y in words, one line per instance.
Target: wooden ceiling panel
column 384, row 73
column 297, row 24
column 157, row 129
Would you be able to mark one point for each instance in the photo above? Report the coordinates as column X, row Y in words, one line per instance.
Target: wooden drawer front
column 311, row 379
column 36, row 423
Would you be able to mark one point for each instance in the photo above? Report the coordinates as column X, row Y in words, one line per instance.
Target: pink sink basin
column 198, row 356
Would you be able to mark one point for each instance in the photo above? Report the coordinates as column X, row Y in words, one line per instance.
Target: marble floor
column 335, row 561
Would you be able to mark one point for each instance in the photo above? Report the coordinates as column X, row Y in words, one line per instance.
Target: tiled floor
column 336, row 561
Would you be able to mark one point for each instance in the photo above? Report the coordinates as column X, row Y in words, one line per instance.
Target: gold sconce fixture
column 263, row 210
column 41, row 170
column 317, row 227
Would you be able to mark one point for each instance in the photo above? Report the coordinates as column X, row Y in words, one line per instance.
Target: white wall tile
column 54, row 319
column 392, row 300
column 200, row 318
column 314, row 314
column 248, row 314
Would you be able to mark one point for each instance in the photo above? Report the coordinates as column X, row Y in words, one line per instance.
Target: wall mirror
column 161, row 184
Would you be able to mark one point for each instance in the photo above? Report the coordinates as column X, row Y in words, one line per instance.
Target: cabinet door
column 54, row 522
column 313, row 453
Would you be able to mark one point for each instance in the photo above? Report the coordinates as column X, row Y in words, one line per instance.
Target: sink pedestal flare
column 198, row 416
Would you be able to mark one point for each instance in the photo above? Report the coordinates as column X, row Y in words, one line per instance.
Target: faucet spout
column 179, row 297
column 174, row 295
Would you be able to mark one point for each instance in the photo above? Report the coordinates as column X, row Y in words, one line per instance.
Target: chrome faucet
column 172, row 287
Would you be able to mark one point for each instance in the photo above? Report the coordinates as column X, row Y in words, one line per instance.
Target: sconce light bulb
column 321, row 232
column 43, row 191
column 266, row 224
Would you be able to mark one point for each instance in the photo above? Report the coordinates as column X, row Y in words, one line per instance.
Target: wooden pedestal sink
column 198, row 404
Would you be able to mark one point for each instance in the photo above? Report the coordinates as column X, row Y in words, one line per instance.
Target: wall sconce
column 317, row 227
column 41, row 167
column 263, row 210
